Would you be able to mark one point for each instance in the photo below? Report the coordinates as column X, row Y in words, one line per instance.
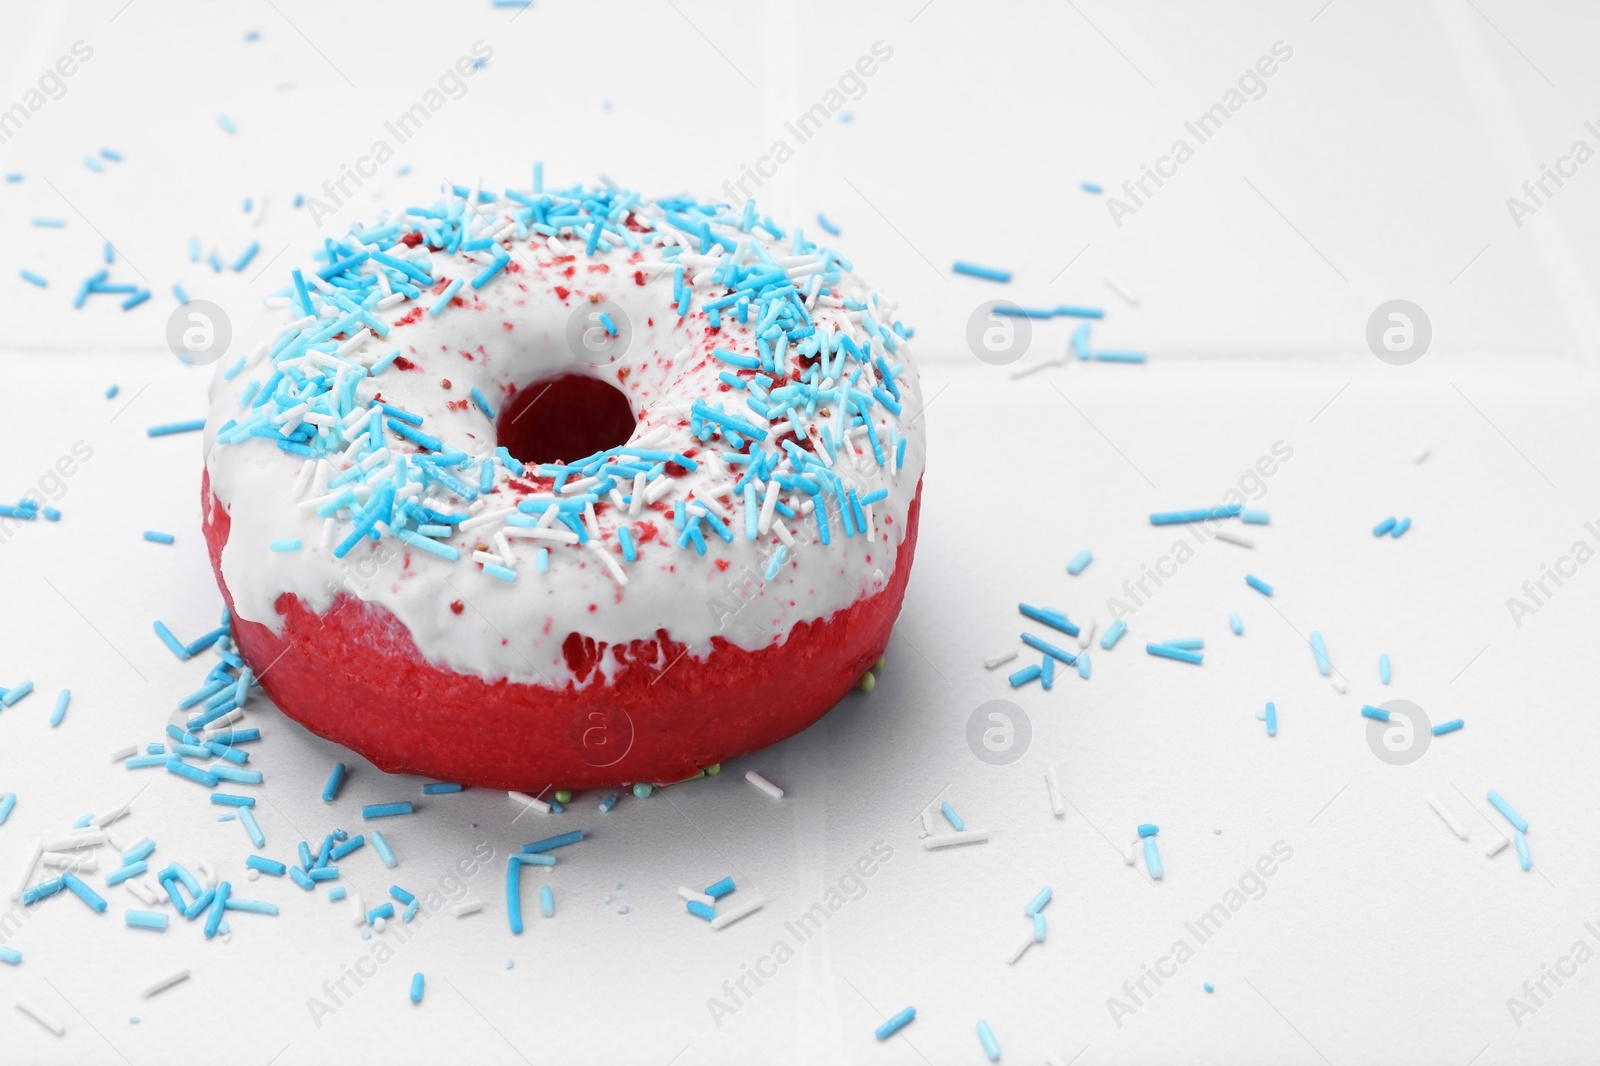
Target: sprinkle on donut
column 797, row 421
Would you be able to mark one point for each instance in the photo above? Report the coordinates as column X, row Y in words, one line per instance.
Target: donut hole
column 565, row 418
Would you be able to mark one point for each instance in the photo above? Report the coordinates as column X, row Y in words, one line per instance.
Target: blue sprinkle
column 245, row 256
column 1255, row 518
column 1400, row 528
column 386, row 810
column 227, row 124
column 699, row 910
column 60, row 711
column 156, row 537
column 285, row 544
column 438, row 306
column 972, row 270
column 1079, row 561
column 34, row 279
column 952, row 817
column 7, row 802
column 1519, row 823
column 49, row 223
column 1524, row 859
column 1113, row 634
column 1207, row 986
column 191, row 426
column 1383, row 527
column 1257, row 584
column 1182, row 655
column 828, row 227
column 1272, row 720
column 895, row 1024
column 416, row 987
column 720, row 888
column 336, row 776
column 112, row 391
column 1236, row 624
column 547, row 902
column 1039, row 901
column 483, row 404
column 1320, row 650
column 440, row 788
column 1152, row 859
column 1202, row 514
column 385, row 852
column 1049, row 649
column 1448, row 727
column 1377, row 714
column 986, row 1038
column 1384, row 672
column 1026, row 674
column 1090, row 187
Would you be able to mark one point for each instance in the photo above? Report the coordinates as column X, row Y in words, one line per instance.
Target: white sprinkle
column 103, row 820
column 39, row 1015
column 945, row 840
column 1087, row 635
column 1449, row 819
column 1234, row 538
column 768, row 504
column 303, row 479
column 228, row 719
column 124, row 753
column 27, row 871
column 659, row 488
column 537, row 804
column 696, row 897
column 636, row 504
column 360, row 906
column 783, row 532
column 1058, row 802
column 743, row 910
column 1495, row 848
column 763, row 784
column 84, row 838
column 471, row 906
column 654, row 437
column 560, row 536
column 609, row 559
column 142, row 892
column 1021, row 950
column 166, row 982
column 1127, row 853
column 1422, row 456
column 1340, row 685
column 927, row 821
column 64, row 860
column 998, row 660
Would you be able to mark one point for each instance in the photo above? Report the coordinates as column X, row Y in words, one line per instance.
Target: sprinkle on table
column 193, row 425
column 973, row 270
column 157, row 537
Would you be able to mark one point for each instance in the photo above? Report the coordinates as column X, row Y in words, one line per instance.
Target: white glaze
column 516, row 630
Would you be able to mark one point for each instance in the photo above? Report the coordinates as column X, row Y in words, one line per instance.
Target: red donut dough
column 354, row 676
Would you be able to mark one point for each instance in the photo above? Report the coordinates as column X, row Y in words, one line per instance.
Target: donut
column 565, row 488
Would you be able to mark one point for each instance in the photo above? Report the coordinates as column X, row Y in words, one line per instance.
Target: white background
column 1376, row 166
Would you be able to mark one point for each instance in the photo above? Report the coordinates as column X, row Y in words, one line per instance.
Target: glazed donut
column 565, row 488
